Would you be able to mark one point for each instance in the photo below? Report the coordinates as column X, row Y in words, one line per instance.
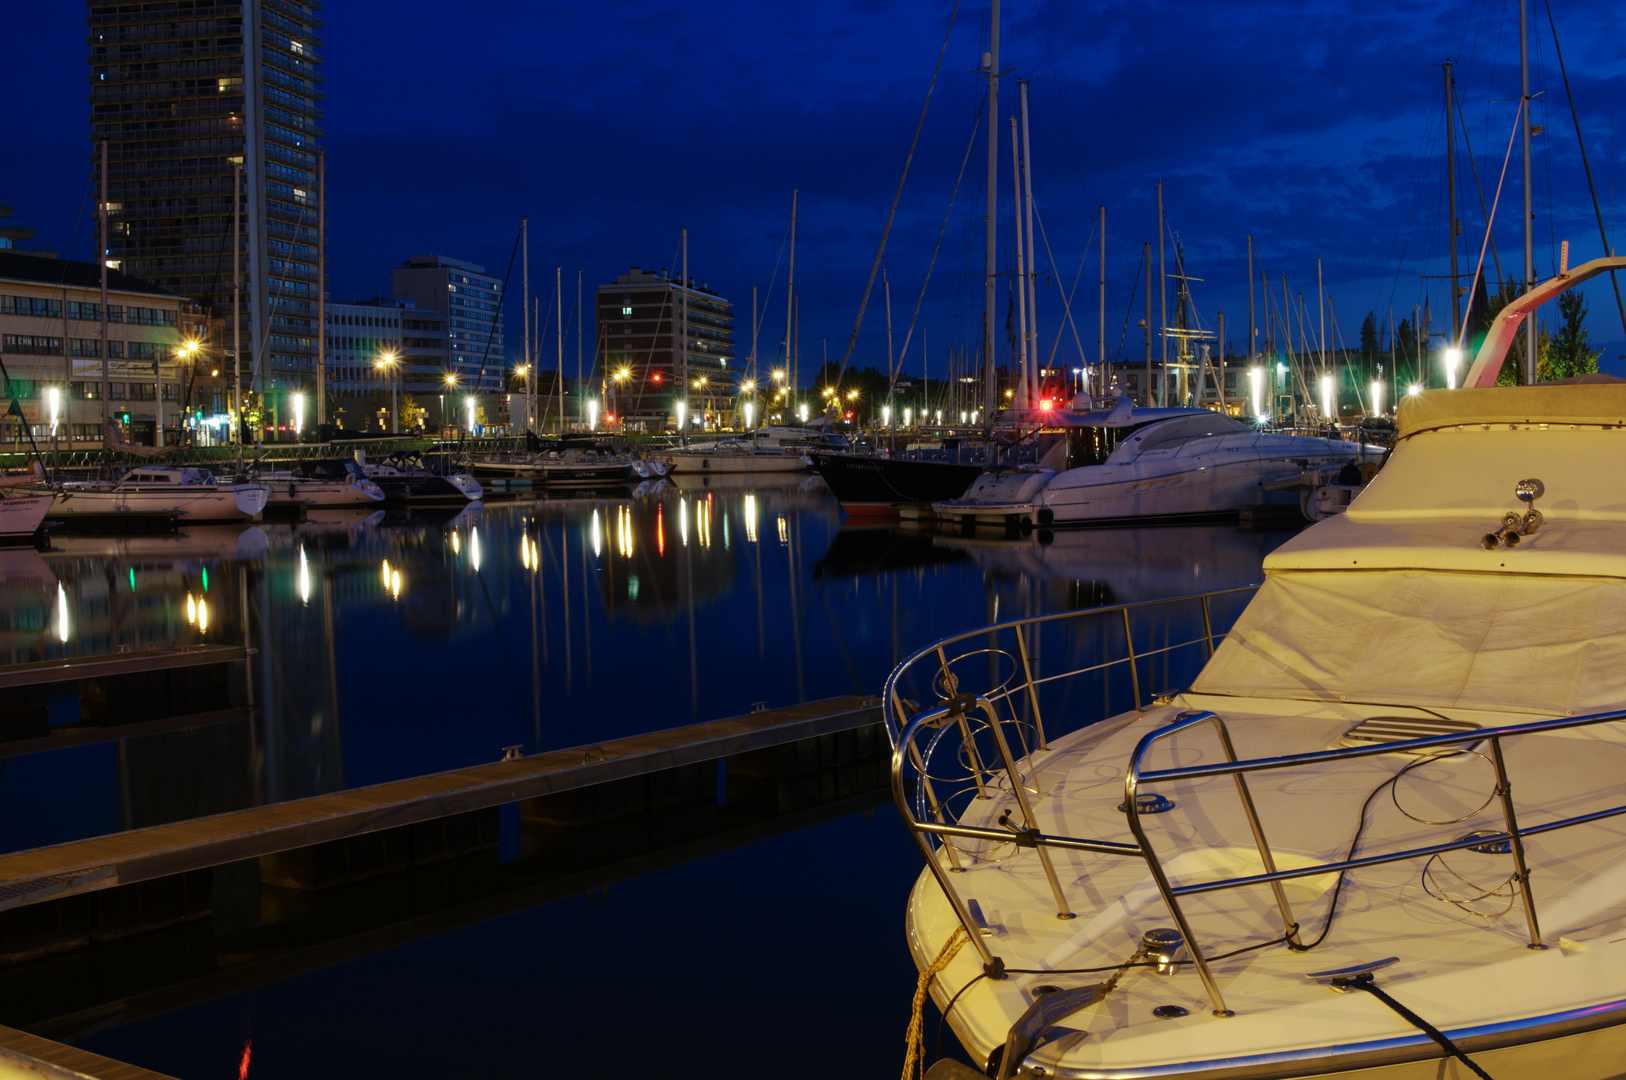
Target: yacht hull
column 320, row 493
column 725, row 463
column 226, row 502
column 20, row 517
column 878, row 485
column 1210, row 485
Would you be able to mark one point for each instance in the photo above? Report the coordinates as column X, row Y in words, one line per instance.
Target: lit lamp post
column 471, row 414
column 621, row 376
column 700, row 385
column 747, row 406
column 53, row 400
column 1453, row 357
column 451, row 384
column 388, row 364
column 524, row 372
column 299, row 417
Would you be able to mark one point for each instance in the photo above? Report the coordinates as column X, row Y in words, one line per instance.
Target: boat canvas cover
column 1544, row 644
column 1546, row 403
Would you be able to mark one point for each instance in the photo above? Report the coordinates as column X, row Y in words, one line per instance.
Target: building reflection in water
column 544, row 621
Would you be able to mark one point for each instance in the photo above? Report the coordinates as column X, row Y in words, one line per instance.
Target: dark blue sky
column 1316, row 127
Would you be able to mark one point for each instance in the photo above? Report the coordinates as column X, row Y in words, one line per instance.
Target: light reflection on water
column 390, row 647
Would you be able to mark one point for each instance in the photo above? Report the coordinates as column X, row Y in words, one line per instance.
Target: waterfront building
column 640, row 323
column 363, row 333
column 180, row 112
column 469, row 301
column 161, row 349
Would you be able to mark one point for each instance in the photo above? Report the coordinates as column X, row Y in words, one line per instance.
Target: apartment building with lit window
column 470, row 302
column 642, row 317
column 180, row 111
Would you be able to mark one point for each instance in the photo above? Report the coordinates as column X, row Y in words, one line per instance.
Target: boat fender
column 1046, row 516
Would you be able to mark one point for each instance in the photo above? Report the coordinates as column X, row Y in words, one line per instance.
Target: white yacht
column 325, row 484
column 733, row 456
column 193, row 494
column 1380, row 833
column 1147, row 465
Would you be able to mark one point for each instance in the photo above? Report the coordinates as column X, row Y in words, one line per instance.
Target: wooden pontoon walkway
column 28, row 877
column 102, row 665
column 69, row 1061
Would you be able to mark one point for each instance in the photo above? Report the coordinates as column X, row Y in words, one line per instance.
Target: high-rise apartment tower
column 184, row 93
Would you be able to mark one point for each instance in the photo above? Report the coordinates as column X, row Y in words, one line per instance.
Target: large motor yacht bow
column 1381, row 829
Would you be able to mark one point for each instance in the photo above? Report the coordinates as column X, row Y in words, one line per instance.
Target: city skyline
column 1316, row 130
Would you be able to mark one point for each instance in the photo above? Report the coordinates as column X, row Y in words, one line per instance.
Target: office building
column 470, row 301
column 180, row 112
column 163, row 352
column 641, row 317
column 362, row 334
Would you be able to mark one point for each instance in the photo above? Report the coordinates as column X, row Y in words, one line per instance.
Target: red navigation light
column 849, row 416
column 1045, row 404
column 656, row 377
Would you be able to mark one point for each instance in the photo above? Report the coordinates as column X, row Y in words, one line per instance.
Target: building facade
column 411, row 343
column 469, row 300
column 642, row 319
column 180, row 112
column 163, row 357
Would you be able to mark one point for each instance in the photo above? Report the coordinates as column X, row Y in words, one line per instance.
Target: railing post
column 1208, row 627
column 1033, row 693
column 1521, row 871
column 992, row 966
column 970, row 744
column 1134, row 668
column 1131, row 784
column 1063, row 911
column 1289, row 924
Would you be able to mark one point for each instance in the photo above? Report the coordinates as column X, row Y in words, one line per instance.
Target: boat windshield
column 1093, row 445
column 1170, row 433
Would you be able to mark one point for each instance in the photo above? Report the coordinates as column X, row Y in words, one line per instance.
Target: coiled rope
column 914, row 1038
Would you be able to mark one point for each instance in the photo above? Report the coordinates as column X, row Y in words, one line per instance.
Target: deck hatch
column 1389, row 729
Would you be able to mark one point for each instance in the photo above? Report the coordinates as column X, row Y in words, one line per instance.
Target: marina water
column 391, row 646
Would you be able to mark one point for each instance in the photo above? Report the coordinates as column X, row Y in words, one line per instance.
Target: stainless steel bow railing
column 985, row 723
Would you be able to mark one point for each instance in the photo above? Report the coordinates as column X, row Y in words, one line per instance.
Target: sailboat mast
column 1529, row 219
column 1162, row 298
column 525, row 307
column 1146, row 257
column 321, row 301
column 891, row 375
column 1451, row 201
column 790, row 296
column 683, row 329
column 1025, row 382
column 1250, row 351
column 559, row 306
column 990, row 380
column 1031, row 281
column 1101, row 337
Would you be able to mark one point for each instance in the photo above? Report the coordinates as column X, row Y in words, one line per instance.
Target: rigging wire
column 892, row 377
column 880, row 252
column 1575, row 117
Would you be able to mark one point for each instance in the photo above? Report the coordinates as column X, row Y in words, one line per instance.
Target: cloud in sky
column 1316, row 127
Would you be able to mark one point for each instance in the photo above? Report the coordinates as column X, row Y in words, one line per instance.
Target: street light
column 386, row 362
column 53, row 399
column 299, row 415
column 1256, row 383
column 1453, row 357
column 471, row 414
column 524, row 372
column 592, row 414
column 450, row 381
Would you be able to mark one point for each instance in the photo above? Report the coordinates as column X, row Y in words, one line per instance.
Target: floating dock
column 25, row 1055
column 756, row 739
